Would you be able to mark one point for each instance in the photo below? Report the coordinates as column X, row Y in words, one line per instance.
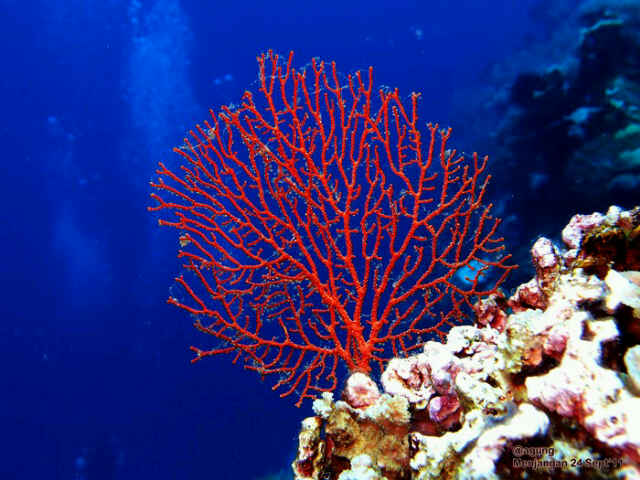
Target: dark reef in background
column 566, row 133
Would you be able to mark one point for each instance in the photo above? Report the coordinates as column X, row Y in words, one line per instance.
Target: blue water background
column 96, row 381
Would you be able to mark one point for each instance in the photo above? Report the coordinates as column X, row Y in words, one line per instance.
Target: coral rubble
column 545, row 385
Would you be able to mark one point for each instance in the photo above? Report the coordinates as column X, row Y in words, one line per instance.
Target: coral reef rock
column 546, row 384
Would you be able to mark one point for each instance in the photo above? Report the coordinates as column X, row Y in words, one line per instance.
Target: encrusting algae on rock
column 545, row 385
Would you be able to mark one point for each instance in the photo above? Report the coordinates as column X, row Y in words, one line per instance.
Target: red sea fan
column 318, row 226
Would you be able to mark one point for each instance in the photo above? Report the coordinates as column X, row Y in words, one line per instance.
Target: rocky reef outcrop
column 546, row 384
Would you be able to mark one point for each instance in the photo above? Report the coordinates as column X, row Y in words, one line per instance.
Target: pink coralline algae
column 361, row 391
column 553, row 370
column 573, row 233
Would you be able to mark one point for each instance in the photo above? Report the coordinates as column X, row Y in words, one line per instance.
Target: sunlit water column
column 161, row 104
column 156, row 80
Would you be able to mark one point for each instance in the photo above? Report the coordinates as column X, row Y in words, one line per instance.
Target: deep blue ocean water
column 96, row 381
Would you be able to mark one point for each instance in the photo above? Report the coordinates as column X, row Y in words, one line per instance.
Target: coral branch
column 316, row 227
